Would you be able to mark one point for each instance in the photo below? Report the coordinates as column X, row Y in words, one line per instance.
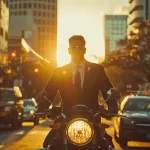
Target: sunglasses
column 77, row 47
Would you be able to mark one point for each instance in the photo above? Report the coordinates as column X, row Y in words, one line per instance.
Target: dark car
column 134, row 123
column 11, row 107
column 30, row 108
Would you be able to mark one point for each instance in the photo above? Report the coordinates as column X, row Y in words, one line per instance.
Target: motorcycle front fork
column 99, row 142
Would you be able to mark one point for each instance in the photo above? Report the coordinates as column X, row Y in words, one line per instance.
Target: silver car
column 30, row 108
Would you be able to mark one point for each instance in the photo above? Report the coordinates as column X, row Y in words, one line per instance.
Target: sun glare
column 71, row 23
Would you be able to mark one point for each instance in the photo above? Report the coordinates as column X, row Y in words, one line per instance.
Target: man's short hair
column 77, row 37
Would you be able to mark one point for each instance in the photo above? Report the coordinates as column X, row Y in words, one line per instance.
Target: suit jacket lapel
column 88, row 68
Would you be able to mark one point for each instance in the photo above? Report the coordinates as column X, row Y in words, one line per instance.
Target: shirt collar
column 82, row 64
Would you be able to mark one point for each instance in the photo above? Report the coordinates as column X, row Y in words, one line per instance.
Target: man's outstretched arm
column 46, row 96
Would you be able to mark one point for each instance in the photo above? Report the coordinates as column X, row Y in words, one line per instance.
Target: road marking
column 38, row 132
column 1, row 146
column 33, row 132
column 20, row 132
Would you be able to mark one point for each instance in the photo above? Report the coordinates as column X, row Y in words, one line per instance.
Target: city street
column 30, row 137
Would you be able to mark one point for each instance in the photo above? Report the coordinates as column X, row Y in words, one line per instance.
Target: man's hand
column 113, row 110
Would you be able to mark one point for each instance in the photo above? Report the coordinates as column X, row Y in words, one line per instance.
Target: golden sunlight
column 71, row 23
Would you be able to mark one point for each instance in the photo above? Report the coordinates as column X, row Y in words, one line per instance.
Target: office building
column 4, row 15
column 115, row 30
column 36, row 21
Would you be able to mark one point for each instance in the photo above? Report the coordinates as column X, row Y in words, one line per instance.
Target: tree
column 136, row 52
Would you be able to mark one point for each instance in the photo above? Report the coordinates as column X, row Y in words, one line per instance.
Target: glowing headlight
column 128, row 121
column 32, row 112
column 79, row 132
column 7, row 108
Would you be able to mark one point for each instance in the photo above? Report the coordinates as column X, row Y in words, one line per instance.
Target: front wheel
column 15, row 124
column 36, row 121
column 122, row 140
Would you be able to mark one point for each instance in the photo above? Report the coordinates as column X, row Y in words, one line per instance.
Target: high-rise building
column 115, row 30
column 4, row 15
column 36, row 21
column 139, row 10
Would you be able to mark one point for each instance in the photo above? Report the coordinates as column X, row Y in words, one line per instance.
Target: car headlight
column 32, row 112
column 7, row 108
column 79, row 132
column 128, row 121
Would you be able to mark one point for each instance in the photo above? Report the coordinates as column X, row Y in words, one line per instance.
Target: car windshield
column 29, row 104
column 7, row 95
column 136, row 104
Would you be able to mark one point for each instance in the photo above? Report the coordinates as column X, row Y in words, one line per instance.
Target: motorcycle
column 81, row 128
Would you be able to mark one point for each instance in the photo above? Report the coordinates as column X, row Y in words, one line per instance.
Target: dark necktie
column 77, row 79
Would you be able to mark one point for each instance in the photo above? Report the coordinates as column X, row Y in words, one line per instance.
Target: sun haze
column 82, row 17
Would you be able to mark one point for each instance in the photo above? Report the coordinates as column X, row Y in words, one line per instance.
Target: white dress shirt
column 82, row 72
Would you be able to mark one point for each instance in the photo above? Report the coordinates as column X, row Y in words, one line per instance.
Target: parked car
column 134, row 122
column 11, row 107
column 30, row 107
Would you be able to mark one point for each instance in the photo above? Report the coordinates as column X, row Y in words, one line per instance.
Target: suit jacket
column 95, row 79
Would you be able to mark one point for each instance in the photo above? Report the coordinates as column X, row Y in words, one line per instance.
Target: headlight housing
column 79, row 131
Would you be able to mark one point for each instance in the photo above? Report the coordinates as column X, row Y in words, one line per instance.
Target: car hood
column 6, row 103
column 27, row 109
column 138, row 116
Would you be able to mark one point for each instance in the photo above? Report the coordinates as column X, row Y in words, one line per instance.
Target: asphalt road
column 31, row 137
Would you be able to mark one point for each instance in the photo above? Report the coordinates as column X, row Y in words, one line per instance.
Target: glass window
column 29, row 5
column 24, row 13
column 138, row 104
column 39, row 6
column 16, row 6
column 7, row 96
column 24, row 5
column 20, row 5
column 28, row 104
column 44, row 6
column 44, row 14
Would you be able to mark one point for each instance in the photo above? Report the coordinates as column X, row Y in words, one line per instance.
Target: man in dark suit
column 78, row 82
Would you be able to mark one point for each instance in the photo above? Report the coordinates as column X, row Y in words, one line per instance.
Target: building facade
column 4, row 16
column 36, row 22
column 115, row 30
column 139, row 10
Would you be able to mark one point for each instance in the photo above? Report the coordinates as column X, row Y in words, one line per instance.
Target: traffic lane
column 9, row 137
column 34, row 138
column 131, row 145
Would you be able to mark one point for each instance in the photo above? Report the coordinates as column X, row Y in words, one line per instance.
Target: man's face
column 77, row 48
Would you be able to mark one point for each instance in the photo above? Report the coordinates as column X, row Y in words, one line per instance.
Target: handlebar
column 41, row 114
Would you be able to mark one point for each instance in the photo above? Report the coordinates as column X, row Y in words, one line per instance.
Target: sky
column 84, row 17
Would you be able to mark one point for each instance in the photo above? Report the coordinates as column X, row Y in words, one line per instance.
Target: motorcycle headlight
column 7, row 108
column 79, row 132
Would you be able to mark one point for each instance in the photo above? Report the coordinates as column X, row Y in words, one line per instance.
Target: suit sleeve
column 49, row 91
column 106, row 85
